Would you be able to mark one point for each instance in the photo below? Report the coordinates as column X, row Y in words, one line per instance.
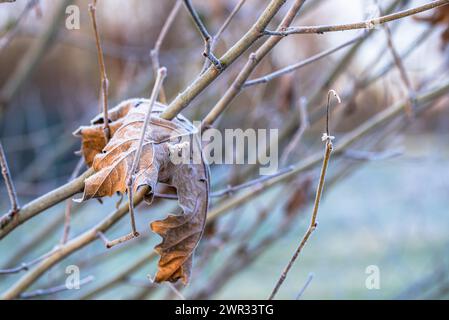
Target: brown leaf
column 182, row 233
column 93, row 140
column 112, row 164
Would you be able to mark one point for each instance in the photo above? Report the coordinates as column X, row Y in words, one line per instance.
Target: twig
column 367, row 24
column 223, row 27
column 306, row 285
column 103, row 76
column 25, row 266
column 9, row 187
column 243, row 254
column 313, row 222
column 69, row 203
column 304, row 124
column 130, row 180
column 53, row 290
column 301, row 64
column 170, row 286
column 205, row 34
column 157, row 47
column 161, row 74
column 402, row 72
column 232, row 189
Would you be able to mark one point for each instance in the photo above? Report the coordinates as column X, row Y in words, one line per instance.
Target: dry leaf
column 112, row 164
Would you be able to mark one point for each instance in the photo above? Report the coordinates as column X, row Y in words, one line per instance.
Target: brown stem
column 319, row 192
column 368, row 24
column 9, row 186
column 104, row 78
column 157, row 47
column 205, row 34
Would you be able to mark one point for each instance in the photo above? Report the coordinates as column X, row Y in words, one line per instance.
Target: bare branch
column 69, row 203
column 231, row 189
column 25, row 266
column 368, row 24
column 161, row 74
column 205, row 34
column 303, row 126
column 53, row 290
column 157, row 47
column 402, row 72
column 9, row 186
column 306, row 285
column 223, row 27
column 103, row 76
column 313, row 222
column 301, row 64
column 44, row 202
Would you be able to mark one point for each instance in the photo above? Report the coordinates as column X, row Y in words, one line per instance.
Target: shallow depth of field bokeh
column 390, row 211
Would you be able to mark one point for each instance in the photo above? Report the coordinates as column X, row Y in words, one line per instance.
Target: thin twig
column 161, row 74
column 223, row 27
column 306, row 285
column 367, row 24
column 25, row 266
column 69, row 203
column 9, row 185
column 304, row 124
column 313, row 222
column 130, row 180
column 402, row 72
column 301, row 64
column 103, row 76
column 232, row 189
column 170, row 286
column 157, row 47
column 53, row 290
column 204, row 33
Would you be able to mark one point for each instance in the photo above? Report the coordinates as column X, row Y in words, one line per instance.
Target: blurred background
column 385, row 201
